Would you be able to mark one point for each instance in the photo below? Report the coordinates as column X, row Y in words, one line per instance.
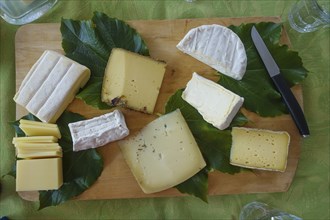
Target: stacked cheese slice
column 39, row 164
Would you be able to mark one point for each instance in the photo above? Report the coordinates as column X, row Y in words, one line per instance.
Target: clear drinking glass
column 261, row 211
column 20, row 12
column 309, row 15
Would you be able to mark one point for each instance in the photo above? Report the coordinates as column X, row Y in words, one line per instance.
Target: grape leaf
column 257, row 88
column 80, row 169
column 90, row 43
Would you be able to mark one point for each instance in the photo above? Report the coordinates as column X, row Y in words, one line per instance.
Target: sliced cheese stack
column 218, row 47
column 259, row 149
column 51, row 85
column 98, row 131
column 33, row 150
column 216, row 104
column 163, row 154
column 35, row 128
column 40, row 163
column 132, row 80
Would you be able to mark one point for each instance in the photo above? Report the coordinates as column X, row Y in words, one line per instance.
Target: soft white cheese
column 98, row 131
column 163, row 154
column 51, row 85
column 218, row 47
column 216, row 104
column 259, row 148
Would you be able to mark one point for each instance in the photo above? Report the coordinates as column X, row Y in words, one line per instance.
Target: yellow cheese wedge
column 39, row 174
column 132, row 80
column 163, row 154
column 34, row 128
column 38, row 155
column 259, row 149
column 35, row 139
column 50, row 85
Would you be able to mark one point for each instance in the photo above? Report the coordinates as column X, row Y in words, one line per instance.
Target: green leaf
column 196, row 185
column 214, row 144
column 90, row 43
column 80, row 169
column 259, row 92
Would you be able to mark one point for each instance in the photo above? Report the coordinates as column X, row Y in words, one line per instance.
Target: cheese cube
column 259, row 149
column 217, row 105
column 51, row 85
column 98, row 131
column 163, row 154
column 39, row 174
column 132, row 80
column 36, row 128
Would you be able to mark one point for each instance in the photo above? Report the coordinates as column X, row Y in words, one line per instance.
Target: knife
column 274, row 71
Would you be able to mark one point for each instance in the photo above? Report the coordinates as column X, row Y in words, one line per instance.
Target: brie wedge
column 98, row 131
column 218, row 47
column 217, row 105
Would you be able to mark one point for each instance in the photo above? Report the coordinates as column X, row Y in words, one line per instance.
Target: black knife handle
column 292, row 104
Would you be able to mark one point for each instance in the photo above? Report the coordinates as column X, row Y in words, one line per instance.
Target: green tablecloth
column 308, row 196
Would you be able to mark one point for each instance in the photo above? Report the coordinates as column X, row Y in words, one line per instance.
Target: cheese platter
column 161, row 37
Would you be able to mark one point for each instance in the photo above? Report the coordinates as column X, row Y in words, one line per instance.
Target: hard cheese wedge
column 218, row 47
column 216, row 104
column 163, row 154
column 40, row 174
column 51, row 85
column 259, row 149
column 35, row 128
column 132, row 80
column 38, row 146
column 98, row 131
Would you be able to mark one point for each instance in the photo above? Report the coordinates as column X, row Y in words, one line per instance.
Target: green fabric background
column 308, row 196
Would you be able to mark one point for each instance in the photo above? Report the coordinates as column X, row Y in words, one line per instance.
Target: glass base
column 21, row 12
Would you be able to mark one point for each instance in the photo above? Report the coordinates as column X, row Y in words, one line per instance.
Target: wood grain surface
column 161, row 36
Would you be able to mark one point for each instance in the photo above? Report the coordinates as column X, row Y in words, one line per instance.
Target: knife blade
column 274, row 71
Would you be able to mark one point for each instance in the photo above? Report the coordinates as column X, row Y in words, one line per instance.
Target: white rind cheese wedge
column 39, row 174
column 132, row 80
column 51, row 85
column 218, row 47
column 216, row 104
column 259, row 149
column 163, row 154
column 98, row 131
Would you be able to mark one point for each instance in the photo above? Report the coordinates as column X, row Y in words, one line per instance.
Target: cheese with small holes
column 218, row 47
column 217, row 105
column 39, row 174
column 51, row 85
column 36, row 128
column 35, row 139
column 98, row 131
column 259, row 148
column 163, row 154
column 132, row 80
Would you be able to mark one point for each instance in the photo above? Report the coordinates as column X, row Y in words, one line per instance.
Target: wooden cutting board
column 161, row 36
